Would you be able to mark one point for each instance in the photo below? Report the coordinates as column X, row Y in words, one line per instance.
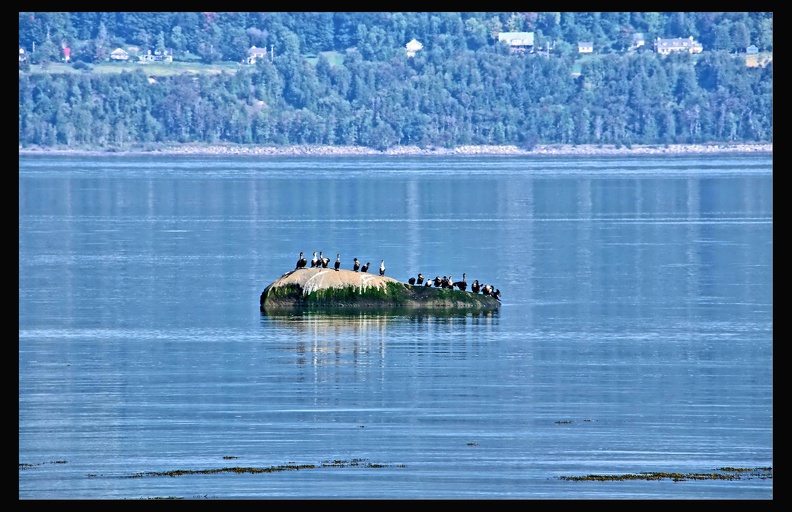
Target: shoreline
column 346, row 151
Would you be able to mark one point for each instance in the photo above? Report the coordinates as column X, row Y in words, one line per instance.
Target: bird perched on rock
column 356, row 266
column 420, row 279
column 324, row 260
column 462, row 285
column 475, row 287
column 487, row 289
column 496, row 294
column 338, row 262
column 411, row 280
column 382, row 268
column 365, row 267
column 301, row 262
column 438, row 282
column 428, row 283
column 314, row 261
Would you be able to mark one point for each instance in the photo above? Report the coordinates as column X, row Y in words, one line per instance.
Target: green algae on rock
column 325, row 288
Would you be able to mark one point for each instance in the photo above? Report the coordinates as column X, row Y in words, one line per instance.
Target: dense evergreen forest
column 463, row 87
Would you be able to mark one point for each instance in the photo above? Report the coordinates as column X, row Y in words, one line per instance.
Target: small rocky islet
column 325, row 287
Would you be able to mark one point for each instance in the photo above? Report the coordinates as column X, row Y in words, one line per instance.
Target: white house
column 637, row 41
column 119, row 54
column 678, row 44
column 517, row 41
column 256, row 53
column 413, row 47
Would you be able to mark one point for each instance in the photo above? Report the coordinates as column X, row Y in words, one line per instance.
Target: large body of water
column 635, row 333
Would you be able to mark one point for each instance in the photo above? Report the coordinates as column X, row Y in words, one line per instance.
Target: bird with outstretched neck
column 338, row 262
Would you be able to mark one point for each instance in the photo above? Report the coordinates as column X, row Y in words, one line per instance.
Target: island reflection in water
column 362, row 321
column 321, row 337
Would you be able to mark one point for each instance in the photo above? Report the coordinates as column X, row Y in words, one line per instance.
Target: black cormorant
column 301, row 262
column 462, row 285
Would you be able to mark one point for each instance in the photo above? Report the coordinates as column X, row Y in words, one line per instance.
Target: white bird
column 382, row 268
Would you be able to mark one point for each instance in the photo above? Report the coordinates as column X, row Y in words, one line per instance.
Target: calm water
column 635, row 335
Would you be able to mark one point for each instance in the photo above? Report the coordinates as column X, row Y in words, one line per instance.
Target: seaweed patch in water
column 356, row 463
column 723, row 474
column 180, row 472
column 25, row 465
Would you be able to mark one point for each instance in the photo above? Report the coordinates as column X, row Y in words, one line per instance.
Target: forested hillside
column 464, row 87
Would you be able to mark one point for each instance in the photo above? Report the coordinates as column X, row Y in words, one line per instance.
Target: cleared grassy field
column 150, row 69
column 167, row 68
column 335, row 58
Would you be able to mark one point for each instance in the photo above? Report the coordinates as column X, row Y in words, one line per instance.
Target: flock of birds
column 322, row 261
column 449, row 283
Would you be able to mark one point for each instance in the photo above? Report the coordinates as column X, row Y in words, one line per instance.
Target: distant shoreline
column 344, row 151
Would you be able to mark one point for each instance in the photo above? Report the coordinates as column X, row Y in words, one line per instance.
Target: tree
column 550, row 24
column 739, row 36
column 765, row 35
column 529, row 140
column 177, row 40
column 45, row 53
column 722, row 40
column 236, row 44
column 476, row 34
column 160, row 45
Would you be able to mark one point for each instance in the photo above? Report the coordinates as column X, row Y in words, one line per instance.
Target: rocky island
column 327, row 288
